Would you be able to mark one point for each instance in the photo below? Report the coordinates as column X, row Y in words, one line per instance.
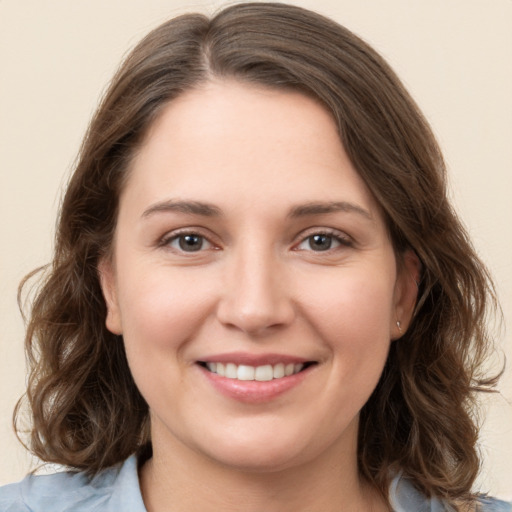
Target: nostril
column 254, row 302
column 255, row 320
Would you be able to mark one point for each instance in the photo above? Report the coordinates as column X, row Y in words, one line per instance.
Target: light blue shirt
column 117, row 490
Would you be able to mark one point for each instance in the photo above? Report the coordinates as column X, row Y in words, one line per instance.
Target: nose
column 256, row 298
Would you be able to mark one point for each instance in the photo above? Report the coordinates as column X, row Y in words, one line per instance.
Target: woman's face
column 248, row 247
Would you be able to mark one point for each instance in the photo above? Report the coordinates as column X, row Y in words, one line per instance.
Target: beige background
column 56, row 57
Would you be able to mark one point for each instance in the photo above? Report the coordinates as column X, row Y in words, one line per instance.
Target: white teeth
column 245, row 372
column 231, row 372
column 278, row 371
column 260, row 373
column 221, row 370
column 264, row 373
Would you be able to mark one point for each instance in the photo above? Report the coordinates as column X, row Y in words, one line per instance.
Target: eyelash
column 168, row 239
column 340, row 238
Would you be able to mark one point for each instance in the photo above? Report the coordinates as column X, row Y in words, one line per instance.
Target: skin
column 258, row 284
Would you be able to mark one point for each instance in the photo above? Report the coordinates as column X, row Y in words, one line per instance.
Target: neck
column 330, row 483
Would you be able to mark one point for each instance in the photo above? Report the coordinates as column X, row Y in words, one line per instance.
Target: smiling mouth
column 261, row 373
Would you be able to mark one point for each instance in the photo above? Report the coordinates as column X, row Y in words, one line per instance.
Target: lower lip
column 253, row 391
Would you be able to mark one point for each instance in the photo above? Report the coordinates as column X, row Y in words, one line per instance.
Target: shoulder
column 112, row 490
column 59, row 492
column 404, row 497
column 493, row 505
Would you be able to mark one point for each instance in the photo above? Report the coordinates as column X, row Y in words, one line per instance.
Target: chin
column 252, row 460
column 266, row 453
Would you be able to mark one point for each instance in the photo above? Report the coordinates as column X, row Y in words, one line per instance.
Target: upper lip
column 253, row 359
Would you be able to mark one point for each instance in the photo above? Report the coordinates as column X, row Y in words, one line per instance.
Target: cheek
column 353, row 301
column 162, row 309
column 162, row 312
column 352, row 316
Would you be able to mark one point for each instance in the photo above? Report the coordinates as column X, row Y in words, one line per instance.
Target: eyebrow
column 210, row 210
column 322, row 208
column 189, row 207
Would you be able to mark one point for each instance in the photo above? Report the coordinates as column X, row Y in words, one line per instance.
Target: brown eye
column 324, row 241
column 188, row 242
column 320, row 242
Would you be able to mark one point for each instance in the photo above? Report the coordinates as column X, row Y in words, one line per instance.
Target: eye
column 188, row 242
column 320, row 242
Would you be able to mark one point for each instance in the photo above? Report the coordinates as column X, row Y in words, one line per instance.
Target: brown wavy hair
column 86, row 410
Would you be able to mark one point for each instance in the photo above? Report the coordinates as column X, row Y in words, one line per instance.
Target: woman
column 260, row 297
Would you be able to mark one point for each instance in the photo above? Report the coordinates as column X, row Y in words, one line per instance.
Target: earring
column 399, row 325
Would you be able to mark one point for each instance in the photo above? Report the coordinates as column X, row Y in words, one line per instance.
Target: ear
column 406, row 292
column 109, row 288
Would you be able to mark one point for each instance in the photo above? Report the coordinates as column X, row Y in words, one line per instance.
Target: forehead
column 232, row 141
